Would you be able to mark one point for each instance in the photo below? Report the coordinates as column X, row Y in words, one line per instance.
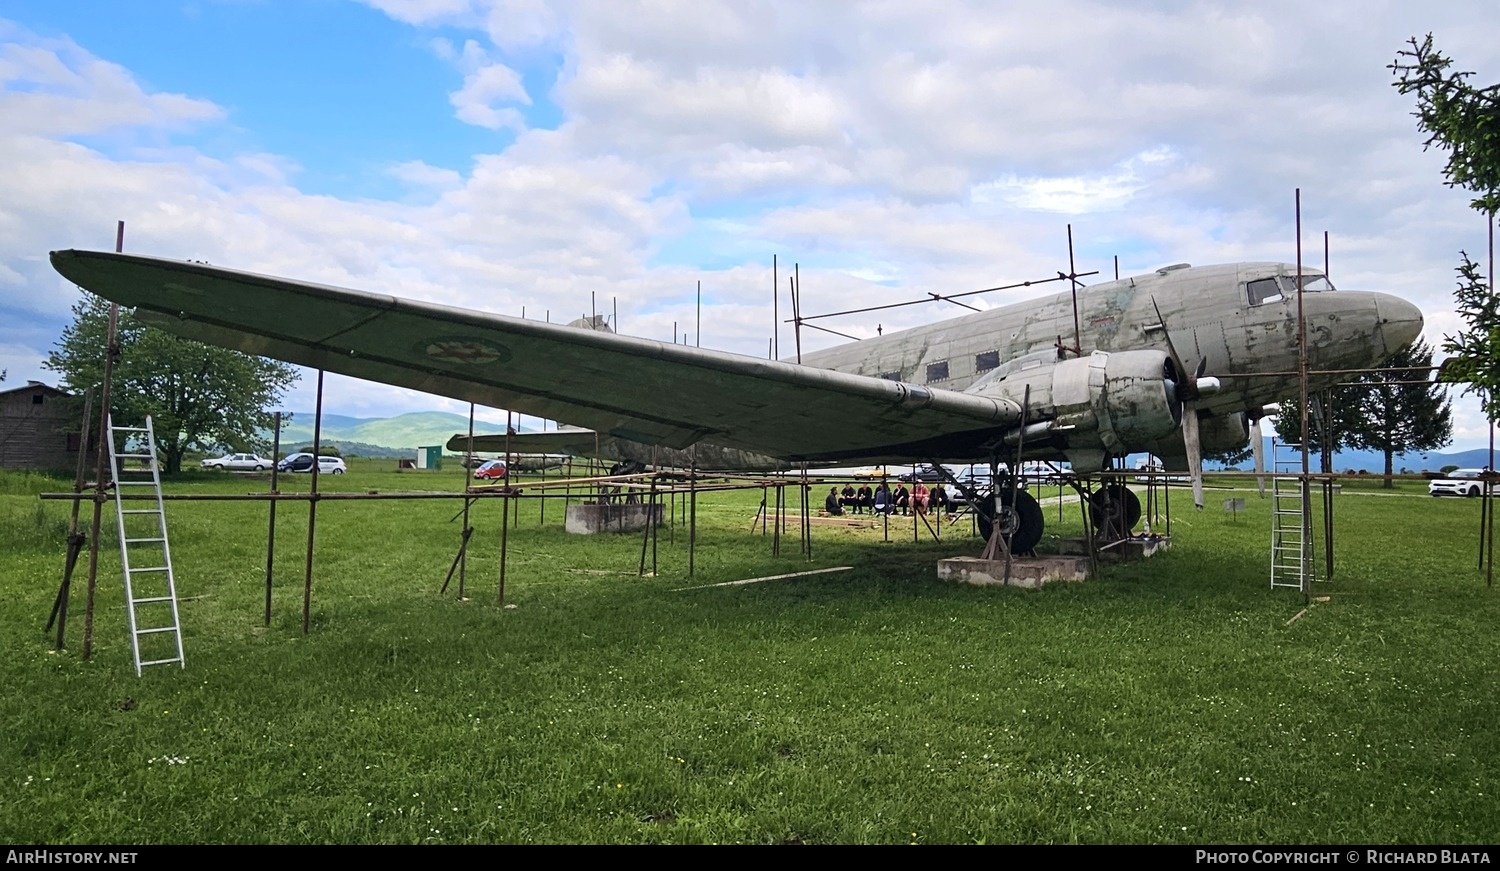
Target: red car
column 492, row 470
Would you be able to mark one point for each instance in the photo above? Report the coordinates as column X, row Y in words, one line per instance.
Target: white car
column 238, row 463
column 1459, row 482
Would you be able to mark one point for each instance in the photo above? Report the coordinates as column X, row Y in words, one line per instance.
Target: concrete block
column 1025, row 572
column 588, row 519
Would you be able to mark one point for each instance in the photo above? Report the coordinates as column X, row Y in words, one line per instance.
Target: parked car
column 1462, row 482
column 926, row 474
column 1044, row 472
column 491, row 470
column 238, row 463
column 302, row 462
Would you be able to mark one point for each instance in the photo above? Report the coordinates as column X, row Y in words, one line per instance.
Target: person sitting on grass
column 831, row 504
column 919, row 497
column 846, row 498
column 901, row 499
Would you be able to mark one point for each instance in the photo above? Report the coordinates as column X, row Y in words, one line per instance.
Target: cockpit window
column 1311, row 282
column 1263, row 290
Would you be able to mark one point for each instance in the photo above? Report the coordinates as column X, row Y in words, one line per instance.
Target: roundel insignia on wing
column 464, row 350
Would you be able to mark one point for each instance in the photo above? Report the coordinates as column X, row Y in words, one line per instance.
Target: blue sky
column 502, row 155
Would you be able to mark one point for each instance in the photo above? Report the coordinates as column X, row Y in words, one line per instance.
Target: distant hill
column 1374, row 461
column 379, row 436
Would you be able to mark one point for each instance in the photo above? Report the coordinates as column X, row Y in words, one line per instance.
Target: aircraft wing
column 637, row 389
column 564, row 440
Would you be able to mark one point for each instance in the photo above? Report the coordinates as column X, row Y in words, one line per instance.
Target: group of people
column 884, row 500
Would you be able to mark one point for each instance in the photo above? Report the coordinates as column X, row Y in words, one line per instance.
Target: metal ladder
column 145, row 555
column 1291, row 523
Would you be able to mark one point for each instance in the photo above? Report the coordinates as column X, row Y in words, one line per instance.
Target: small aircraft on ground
column 999, row 386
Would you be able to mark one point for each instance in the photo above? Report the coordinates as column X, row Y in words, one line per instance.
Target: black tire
column 1028, row 513
column 1117, row 504
column 260, row 468
column 1473, row 491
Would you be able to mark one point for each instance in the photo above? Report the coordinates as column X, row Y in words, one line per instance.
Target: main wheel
column 1022, row 521
column 1116, row 506
column 1473, row 491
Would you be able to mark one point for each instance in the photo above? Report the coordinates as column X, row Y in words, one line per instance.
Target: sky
column 553, row 159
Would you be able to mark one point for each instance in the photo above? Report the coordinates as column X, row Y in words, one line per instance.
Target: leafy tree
column 198, row 396
column 1401, row 410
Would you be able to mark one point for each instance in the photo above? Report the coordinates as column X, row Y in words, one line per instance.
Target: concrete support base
column 1027, row 572
column 1032, row 572
column 628, row 517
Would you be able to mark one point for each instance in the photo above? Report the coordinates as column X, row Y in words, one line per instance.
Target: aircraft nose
column 1400, row 322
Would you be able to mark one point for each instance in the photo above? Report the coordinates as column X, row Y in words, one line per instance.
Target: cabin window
column 986, row 361
column 890, row 376
column 937, row 371
column 1263, row 290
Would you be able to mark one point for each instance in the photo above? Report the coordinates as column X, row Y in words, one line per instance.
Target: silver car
column 238, row 463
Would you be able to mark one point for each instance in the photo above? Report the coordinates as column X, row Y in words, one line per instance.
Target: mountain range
column 379, row 436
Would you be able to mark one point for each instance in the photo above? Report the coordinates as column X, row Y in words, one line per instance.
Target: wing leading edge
column 637, row 389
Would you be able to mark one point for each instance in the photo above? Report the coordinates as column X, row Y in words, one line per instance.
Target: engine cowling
column 1105, row 404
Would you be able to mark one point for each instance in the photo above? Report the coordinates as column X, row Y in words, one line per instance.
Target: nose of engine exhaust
column 1400, row 322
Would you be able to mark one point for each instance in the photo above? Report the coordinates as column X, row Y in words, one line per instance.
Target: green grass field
column 1168, row 701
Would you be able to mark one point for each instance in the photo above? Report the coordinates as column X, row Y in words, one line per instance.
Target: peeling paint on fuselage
column 1205, row 309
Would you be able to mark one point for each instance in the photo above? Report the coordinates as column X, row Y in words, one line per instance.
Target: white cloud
column 945, row 147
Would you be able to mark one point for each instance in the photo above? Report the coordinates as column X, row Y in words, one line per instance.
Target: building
column 39, row 428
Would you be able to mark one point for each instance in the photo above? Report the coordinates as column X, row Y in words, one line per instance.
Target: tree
column 198, row 396
column 1339, row 405
column 1401, row 410
column 1459, row 118
column 1464, row 121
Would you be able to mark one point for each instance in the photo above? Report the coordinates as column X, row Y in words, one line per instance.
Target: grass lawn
column 1168, row 701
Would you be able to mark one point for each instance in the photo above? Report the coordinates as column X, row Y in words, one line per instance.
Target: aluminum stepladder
column 145, row 554
column 1291, row 522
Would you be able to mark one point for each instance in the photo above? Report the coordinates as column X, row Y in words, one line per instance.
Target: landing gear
column 1021, row 519
column 1114, row 510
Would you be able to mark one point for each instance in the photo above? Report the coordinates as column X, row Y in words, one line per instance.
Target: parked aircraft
column 974, row 388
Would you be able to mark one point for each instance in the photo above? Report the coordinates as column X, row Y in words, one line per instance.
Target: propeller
column 1258, row 446
column 1189, row 392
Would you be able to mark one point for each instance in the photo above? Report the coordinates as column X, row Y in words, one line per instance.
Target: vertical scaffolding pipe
column 693, row 513
column 111, row 352
column 312, row 509
column 75, row 538
column 467, row 531
column 505, row 510
column 271, row 515
column 1489, row 574
column 775, row 324
column 1306, row 491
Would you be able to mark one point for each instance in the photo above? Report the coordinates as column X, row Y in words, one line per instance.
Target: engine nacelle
column 1105, row 404
column 1217, row 434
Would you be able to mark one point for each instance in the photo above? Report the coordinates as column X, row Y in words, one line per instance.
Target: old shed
column 38, row 428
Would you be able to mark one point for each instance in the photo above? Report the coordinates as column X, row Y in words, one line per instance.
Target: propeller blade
column 1187, row 386
column 1258, row 446
column 1194, row 447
